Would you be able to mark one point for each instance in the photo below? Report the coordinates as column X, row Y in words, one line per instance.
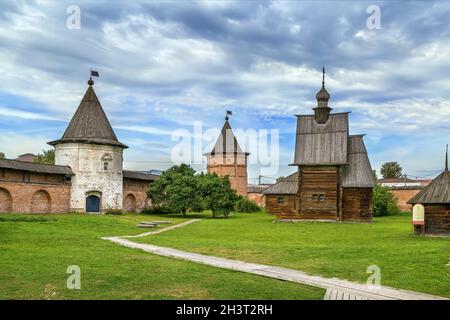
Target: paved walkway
column 337, row 289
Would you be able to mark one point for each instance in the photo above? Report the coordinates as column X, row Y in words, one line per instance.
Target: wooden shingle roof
column 35, row 167
column 90, row 124
column 288, row 185
column 357, row 172
column 437, row 192
column 321, row 144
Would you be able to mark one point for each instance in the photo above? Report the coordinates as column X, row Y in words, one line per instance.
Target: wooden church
column 334, row 179
column 434, row 202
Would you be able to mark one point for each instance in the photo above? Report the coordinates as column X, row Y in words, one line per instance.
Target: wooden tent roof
column 90, row 124
column 35, row 167
column 357, row 172
column 321, row 144
column 288, row 185
column 226, row 142
column 437, row 192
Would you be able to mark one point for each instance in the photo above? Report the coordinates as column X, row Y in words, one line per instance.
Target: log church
column 334, row 179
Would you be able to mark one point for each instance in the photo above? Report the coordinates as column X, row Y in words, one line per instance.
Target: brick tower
column 228, row 159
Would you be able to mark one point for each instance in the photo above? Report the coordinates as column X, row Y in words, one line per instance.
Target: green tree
column 217, row 194
column 177, row 189
column 2, row 156
column 391, row 170
column 279, row 178
column 384, row 202
column 46, row 157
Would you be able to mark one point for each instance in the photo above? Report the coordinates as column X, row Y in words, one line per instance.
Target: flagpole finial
column 90, row 81
column 228, row 113
column 446, row 158
column 323, row 76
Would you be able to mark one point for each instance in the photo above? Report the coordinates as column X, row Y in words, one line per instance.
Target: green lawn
column 35, row 252
column 328, row 249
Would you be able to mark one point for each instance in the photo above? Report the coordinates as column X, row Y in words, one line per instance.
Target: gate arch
column 129, row 203
column 41, row 202
column 5, row 201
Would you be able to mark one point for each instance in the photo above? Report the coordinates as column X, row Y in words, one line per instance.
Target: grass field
column 328, row 249
column 35, row 252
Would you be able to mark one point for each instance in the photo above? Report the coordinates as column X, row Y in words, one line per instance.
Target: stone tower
column 91, row 149
column 228, row 159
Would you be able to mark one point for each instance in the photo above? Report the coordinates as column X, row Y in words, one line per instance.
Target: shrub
column 384, row 202
column 115, row 212
column 157, row 210
column 246, row 205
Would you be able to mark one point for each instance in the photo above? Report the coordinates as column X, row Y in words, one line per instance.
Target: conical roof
column 226, row 142
column 90, row 123
column 437, row 192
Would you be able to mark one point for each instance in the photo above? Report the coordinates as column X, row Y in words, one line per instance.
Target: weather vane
column 93, row 74
column 228, row 113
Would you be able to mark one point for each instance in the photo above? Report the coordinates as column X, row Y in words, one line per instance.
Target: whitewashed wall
column 86, row 162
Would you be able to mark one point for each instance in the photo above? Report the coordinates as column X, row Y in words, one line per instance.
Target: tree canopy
column 180, row 190
column 2, row 156
column 391, row 170
column 46, row 157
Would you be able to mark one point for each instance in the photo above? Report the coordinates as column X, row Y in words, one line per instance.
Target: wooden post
column 299, row 191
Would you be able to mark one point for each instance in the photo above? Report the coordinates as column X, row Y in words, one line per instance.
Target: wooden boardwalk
column 337, row 289
column 335, row 294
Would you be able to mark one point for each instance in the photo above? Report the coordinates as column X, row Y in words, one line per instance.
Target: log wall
column 316, row 180
column 437, row 219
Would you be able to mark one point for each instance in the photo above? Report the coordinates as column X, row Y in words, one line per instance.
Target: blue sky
column 164, row 65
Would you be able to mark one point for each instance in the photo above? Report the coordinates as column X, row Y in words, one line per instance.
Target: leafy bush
column 115, row 212
column 157, row 210
column 246, row 205
column 384, row 202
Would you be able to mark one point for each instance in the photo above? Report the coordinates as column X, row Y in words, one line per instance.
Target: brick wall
column 259, row 198
column 403, row 195
column 135, row 195
column 24, row 192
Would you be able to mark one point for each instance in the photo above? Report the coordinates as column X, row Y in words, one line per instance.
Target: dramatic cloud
column 164, row 65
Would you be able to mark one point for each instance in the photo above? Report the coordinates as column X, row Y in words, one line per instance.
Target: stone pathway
column 337, row 289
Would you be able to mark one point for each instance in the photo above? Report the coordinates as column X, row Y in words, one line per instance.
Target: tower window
column 318, row 197
column 105, row 166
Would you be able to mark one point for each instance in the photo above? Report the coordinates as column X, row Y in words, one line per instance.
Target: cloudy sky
column 165, row 64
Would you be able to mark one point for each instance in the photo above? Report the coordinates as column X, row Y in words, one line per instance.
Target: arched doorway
column 40, row 202
column 129, row 203
column 5, row 201
column 93, row 203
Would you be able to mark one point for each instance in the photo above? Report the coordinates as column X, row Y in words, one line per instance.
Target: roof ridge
column 36, row 163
